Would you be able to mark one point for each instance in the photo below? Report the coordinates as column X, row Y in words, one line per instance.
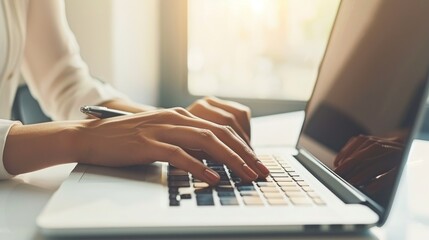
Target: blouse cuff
column 5, row 126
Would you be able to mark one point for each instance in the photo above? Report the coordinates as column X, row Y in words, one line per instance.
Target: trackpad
column 143, row 173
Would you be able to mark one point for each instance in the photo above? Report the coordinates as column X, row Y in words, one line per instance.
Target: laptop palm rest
column 146, row 173
column 105, row 193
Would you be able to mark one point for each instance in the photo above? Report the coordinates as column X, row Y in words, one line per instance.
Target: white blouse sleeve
column 5, row 125
column 53, row 67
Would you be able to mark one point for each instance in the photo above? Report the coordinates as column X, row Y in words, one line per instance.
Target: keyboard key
column 296, row 194
column 228, row 201
column 313, row 194
column 298, row 179
column 246, row 188
column 265, row 156
column 249, row 193
column 185, row 196
column 224, row 188
column 226, row 194
column 201, row 185
column 319, row 201
column 252, row 200
column 300, row 201
column 277, row 202
column 307, row 189
column 291, row 189
column 275, row 175
column 224, row 177
column 174, row 197
column 288, row 179
column 205, row 200
column 269, row 179
column 187, row 190
column 218, row 168
column 275, row 169
column 173, row 190
column 227, row 182
column 273, row 195
column 179, row 184
column 271, row 164
column 288, row 168
column 178, row 178
column 303, row 184
column 287, row 184
column 266, row 184
column 174, row 203
column 269, row 189
column 281, row 178
column 203, row 190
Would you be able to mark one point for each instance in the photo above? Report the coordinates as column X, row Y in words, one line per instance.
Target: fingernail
column 262, row 168
column 249, row 172
column 212, row 176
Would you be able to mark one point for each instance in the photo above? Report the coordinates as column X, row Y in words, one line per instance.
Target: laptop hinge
column 345, row 192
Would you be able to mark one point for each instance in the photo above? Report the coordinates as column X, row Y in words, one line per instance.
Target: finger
column 389, row 142
column 217, row 115
column 205, row 140
column 377, row 166
column 241, row 112
column 177, row 157
column 351, row 147
column 354, row 162
column 225, row 133
column 364, row 160
column 348, row 148
column 186, row 113
column 231, row 130
column 200, row 155
column 172, row 117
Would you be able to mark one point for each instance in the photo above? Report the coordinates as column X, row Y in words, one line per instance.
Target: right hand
column 370, row 162
column 170, row 135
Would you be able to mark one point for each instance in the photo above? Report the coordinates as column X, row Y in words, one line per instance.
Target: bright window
column 264, row 49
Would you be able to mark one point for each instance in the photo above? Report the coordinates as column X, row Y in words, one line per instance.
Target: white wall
column 119, row 41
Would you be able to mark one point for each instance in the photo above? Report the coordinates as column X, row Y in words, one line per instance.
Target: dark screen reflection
column 368, row 161
column 368, row 94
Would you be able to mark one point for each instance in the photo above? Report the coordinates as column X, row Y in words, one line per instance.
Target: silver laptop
column 341, row 176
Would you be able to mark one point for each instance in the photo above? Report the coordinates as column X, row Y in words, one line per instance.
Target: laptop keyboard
column 284, row 187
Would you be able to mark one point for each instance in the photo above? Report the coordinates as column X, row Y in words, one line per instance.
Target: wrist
column 74, row 141
column 33, row 147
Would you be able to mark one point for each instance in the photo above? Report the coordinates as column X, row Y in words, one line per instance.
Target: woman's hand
column 224, row 113
column 171, row 135
column 370, row 162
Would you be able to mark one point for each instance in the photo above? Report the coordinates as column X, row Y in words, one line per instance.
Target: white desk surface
column 23, row 197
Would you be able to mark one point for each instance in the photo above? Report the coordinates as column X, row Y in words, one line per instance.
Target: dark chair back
column 26, row 108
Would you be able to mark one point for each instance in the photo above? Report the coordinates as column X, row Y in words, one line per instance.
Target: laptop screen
column 369, row 91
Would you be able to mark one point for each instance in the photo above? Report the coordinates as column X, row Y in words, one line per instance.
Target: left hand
column 224, row 112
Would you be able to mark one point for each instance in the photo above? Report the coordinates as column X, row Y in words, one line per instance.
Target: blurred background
column 262, row 53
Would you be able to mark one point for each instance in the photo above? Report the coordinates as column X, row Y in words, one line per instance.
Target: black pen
column 102, row 112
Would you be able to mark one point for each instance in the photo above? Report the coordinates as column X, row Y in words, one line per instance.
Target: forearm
column 33, row 147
